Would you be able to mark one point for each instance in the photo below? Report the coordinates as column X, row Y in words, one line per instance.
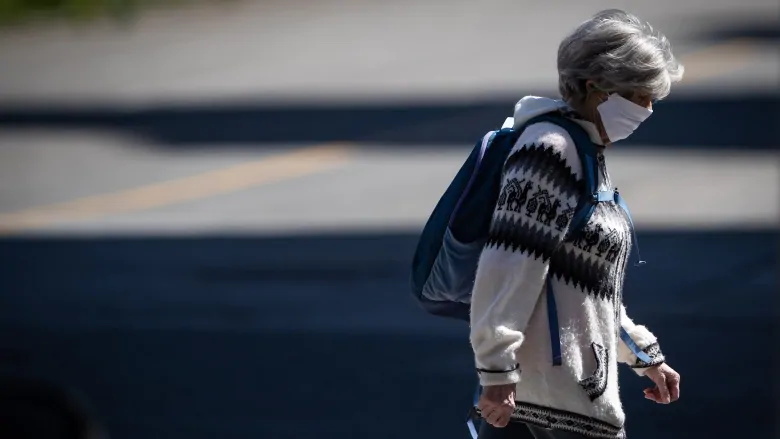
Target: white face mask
column 621, row 116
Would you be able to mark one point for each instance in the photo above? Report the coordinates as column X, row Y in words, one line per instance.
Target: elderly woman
column 611, row 70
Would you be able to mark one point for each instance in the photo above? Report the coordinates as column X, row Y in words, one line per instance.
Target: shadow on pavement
column 316, row 336
column 684, row 121
column 36, row 409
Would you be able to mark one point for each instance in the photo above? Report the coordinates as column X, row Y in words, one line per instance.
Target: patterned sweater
column 541, row 184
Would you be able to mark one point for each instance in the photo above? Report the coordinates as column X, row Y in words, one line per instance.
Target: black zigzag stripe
column 590, row 275
column 544, row 162
column 509, row 233
column 597, row 267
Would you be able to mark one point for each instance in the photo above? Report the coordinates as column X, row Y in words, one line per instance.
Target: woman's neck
column 582, row 111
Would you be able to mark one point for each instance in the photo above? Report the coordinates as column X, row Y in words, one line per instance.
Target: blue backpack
column 445, row 261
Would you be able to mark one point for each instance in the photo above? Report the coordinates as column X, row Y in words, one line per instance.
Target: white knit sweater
column 542, row 182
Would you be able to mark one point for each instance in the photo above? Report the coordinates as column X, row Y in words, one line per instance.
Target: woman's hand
column 667, row 384
column 497, row 404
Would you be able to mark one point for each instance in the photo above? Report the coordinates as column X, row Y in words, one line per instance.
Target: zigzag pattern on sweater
column 586, row 273
column 572, row 264
column 548, row 417
column 509, row 233
column 544, row 164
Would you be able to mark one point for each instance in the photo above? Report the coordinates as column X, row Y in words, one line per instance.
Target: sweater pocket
column 596, row 383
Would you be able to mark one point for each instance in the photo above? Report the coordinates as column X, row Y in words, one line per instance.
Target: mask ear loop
column 596, row 116
column 591, row 87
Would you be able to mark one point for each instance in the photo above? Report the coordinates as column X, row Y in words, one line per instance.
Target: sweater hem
column 557, row 419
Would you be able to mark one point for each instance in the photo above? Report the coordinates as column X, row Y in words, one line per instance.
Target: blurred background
column 208, row 211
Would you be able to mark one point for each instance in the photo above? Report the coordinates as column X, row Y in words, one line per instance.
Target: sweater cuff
column 499, row 377
column 656, row 357
column 647, row 343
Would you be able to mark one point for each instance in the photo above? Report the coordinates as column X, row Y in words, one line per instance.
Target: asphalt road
column 208, row 244
column 301, row 336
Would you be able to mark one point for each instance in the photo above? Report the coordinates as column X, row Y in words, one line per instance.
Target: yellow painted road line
column 222, row 181
column 719, row 60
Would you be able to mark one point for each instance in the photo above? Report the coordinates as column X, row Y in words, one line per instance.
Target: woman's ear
column 590, row 87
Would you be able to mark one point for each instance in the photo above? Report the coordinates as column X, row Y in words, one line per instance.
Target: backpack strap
column 473, row 417
column 633, row 347
column 552, row 322
column 487, row 139
column 624, row 335
column 587, row 153
column 590, row 167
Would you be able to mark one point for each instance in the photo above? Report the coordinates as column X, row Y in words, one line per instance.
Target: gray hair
column 619, row 53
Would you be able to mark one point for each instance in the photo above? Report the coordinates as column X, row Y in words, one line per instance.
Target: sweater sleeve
column 644, row 339
column 540, row 189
